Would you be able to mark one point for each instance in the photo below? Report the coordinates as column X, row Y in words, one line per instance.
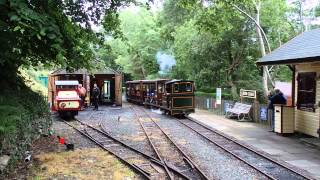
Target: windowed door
column 307, row 91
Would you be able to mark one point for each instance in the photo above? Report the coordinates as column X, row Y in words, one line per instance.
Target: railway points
column 165, row 155
column 172, row 151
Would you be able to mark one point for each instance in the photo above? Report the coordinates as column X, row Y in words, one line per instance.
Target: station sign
column 248, row 93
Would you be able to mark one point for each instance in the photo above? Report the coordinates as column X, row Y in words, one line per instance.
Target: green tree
column 53, row 32
column 141, row 41
column 217, row 44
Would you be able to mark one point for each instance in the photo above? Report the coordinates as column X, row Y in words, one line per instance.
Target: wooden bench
column 240, row 110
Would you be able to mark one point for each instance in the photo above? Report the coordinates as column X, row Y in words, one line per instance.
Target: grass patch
column 92, row 163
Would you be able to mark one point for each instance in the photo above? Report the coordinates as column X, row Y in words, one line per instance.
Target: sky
column 307, row 4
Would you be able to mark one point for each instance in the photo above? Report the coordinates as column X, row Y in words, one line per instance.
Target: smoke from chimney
column 165, row 61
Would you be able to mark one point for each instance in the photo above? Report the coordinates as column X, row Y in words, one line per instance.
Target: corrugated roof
column 303, row 48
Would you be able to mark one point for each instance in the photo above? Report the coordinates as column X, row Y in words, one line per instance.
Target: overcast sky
column 307, row 4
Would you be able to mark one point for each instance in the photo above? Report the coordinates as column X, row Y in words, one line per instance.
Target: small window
column 168, row 88
column 176, row 88
column 183, row 87
column 188, row 87
column 160, row 88
column 306, row 91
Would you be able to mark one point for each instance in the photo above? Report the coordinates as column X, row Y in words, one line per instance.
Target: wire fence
column 259, row 112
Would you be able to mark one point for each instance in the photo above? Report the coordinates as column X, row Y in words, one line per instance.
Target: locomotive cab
column 180, row 96
column 67, row 100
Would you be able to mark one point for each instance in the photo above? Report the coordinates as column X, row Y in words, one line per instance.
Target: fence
column 258, row 111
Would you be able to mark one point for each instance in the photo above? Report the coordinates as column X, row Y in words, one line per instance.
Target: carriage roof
column 176, row 80
column 146, row 81
column 66, row 83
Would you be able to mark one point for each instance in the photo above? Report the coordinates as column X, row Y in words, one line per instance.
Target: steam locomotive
column 175, row 97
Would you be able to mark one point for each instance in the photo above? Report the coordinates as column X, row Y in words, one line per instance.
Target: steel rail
column 133, row 166
column 241, row 145
column 153, row 146
column 230, row 152
column 105, row 133
column 154, row 160
column 142, row 153
column 189, row 160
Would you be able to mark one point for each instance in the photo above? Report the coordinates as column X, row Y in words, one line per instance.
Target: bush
column 225, row 96
column 22, row 114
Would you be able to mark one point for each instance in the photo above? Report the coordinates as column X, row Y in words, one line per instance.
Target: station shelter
column 109, row 82
column 302, row 56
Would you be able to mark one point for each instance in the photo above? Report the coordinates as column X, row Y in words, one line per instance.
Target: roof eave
column 289, row 61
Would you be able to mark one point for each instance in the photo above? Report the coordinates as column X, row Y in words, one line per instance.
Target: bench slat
column 240, row 108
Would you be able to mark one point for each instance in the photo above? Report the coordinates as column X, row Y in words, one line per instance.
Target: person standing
column 96, row 94
column 276, row 98
column 82, row 92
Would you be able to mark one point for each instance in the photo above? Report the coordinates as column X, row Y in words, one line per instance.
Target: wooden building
column 302, row 56
column 108, row 81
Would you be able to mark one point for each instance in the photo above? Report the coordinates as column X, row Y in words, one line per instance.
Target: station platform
column 298, row 151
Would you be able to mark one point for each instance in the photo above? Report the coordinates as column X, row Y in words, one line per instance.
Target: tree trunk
column 143, row 72
column 262, row 49
column 234, row 91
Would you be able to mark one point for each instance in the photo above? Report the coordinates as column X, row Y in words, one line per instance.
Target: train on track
column 67, row 100
column 175, row 97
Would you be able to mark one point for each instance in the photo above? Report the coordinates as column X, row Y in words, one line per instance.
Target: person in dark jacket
column 96, row 94
column 276, row 98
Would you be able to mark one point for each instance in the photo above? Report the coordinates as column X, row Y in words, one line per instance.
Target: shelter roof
column 303, row 48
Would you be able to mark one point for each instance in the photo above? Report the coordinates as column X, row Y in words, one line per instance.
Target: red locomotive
column 67, row 101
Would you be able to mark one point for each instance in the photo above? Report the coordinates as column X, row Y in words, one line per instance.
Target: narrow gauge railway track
column 144, row 164
column 258, row 161
column 166, row 149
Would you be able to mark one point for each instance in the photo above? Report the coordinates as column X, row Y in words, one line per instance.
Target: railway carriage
column 172, row 96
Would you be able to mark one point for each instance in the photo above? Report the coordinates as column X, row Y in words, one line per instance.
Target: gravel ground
column 71, row 136
column 213, row 160
column 122, row 123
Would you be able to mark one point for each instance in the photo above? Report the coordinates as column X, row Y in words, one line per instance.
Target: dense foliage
column 212, row 42
column 53, row 33
column 23, row 117
column 136, row 51
column 218, row 46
